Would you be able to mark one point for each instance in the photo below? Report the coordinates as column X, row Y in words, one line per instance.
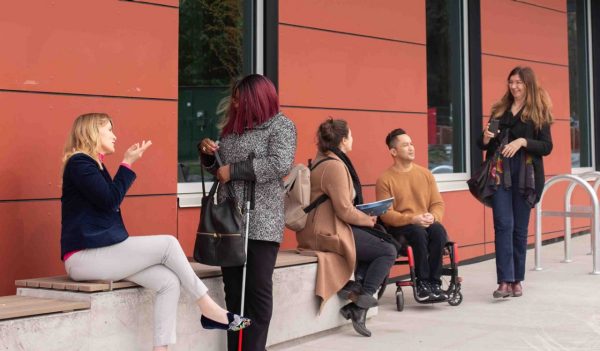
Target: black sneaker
column 437, row 291
column 423, row 291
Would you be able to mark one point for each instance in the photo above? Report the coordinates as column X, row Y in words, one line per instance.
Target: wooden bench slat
column 63, row 282
column 24, row 306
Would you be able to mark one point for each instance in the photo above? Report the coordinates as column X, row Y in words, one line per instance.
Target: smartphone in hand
column 494, row 125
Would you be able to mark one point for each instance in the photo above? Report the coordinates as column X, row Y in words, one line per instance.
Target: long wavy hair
column 537, row 106
column 85, row 136
column 253, row 101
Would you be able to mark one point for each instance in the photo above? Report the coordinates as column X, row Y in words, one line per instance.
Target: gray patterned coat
column 274, row 146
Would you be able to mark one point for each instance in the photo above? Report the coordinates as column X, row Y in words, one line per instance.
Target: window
column 215, row 48
column 447, row 91
column 579, row 84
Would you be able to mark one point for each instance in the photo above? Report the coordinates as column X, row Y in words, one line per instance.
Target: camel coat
column 327, row 232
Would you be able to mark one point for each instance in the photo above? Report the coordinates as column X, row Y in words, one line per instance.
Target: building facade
column 160, row 68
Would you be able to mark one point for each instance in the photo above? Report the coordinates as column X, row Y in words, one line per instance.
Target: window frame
column 457, row 181
column 189, row 194
column 590, row 94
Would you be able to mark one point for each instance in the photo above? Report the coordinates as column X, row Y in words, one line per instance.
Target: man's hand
column 424, row 220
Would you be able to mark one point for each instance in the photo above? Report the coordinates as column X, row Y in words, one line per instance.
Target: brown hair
column 331, row 133
column 84, row 136
column 537, row 106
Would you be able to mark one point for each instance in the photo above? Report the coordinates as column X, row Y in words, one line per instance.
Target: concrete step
column 122, row 319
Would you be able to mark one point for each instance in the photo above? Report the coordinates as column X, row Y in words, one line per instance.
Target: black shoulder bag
column 220, row 235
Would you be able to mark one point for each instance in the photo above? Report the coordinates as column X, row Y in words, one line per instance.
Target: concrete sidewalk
column 559, row 310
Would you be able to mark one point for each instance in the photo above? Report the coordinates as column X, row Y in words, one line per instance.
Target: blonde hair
column 537, row 106
column 84, row 136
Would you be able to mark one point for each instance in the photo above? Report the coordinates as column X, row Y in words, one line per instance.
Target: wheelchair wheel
column 455, row 299
column 399, row 299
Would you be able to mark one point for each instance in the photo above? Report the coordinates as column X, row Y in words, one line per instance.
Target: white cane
column 244, row 270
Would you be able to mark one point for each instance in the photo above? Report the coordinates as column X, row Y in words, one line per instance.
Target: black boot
column 358, row 316
column 354, row 292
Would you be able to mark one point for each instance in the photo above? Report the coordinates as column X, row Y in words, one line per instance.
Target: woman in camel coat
column 335, row 230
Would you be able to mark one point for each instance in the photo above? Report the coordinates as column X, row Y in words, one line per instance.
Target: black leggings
column 374, row 257
column 259, row 294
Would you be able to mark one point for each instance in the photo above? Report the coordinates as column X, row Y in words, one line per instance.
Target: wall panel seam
column 539, row 6
column 353, row 109
column 524, row 59
column 352, row 34
column 150, row 4
column 18, row 91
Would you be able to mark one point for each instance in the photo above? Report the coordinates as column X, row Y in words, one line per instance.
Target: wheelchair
column 451, row 282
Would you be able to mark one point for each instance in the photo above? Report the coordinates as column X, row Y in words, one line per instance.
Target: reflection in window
column 445, row 87
column 214, row 50
column 578, row 84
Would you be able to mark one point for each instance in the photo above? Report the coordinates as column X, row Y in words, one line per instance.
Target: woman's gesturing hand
column 136, row 151
column 208, row 146
column 511, row 148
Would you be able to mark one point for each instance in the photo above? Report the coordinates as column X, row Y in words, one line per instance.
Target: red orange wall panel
column 519, row 30
column 463, row 218
column 38, row 125
column 555, row 79
column 390, row 19
column 468, row 252
column 559, row 160
column 323, row 69
column 30, row 241
column 150, row 215
column 90, row 47
column 369, row 153
column 187, row 225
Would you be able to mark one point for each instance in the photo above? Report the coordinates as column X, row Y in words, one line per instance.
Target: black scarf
column 355, row 181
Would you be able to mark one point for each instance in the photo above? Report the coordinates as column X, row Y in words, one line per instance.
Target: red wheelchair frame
column 450, row 269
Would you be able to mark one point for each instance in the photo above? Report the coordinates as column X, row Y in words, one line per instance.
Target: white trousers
column 155, row 262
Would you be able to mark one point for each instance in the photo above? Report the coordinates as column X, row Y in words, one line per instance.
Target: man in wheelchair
column 416, row 213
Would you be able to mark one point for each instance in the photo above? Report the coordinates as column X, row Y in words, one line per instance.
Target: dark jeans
column 511, row 219
column 258, row 305
column 427, row 245
column 374, row 257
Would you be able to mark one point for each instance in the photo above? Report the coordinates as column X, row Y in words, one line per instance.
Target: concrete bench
column 25, row 306
column 122, row 318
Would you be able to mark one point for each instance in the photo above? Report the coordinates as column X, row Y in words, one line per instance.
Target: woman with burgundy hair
column 257, row 148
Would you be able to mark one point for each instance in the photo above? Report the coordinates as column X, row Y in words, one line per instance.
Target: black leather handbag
column 482, row 184
column 220, row 235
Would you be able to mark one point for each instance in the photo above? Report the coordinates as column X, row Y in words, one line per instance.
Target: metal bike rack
column 568, row 213
column 585, row 176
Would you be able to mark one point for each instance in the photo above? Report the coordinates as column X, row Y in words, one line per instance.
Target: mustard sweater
column 415, row 192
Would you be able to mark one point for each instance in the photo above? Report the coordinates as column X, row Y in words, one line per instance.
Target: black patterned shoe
column 236, row 322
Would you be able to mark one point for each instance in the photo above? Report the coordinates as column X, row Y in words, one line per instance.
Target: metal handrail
column 595, row 215
column 568, row 230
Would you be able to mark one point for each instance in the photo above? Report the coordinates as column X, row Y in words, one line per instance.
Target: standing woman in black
column 257, row 148
column 525, row 116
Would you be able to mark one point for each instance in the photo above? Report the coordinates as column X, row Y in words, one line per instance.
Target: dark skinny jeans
column 427, row 245
column 374, row 257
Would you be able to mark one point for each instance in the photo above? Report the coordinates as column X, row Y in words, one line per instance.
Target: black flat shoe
column 236, row 323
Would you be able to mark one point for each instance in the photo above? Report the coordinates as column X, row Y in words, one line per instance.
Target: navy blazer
column 90, row 201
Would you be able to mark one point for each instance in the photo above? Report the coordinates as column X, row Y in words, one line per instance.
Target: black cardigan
column 539, row 143
column 90, row 201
